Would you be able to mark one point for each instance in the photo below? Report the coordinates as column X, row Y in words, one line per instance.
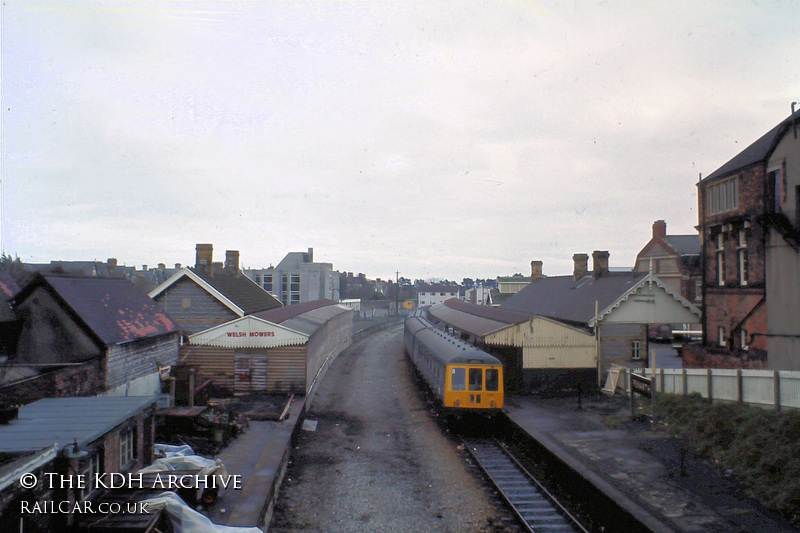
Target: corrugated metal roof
column 310, row 321
column 64, row 420
column 485, row 311
column 472, row 324
column 114, row 309
column 249, row 332
column 289, row 311
column 563, row 298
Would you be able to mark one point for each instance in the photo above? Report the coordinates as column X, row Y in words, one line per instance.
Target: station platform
column 259, row 455
column 641, row 470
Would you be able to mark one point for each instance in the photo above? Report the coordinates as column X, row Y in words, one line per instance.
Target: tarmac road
column 377, row 460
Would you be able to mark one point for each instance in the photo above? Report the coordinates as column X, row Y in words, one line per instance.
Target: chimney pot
column 581, row 266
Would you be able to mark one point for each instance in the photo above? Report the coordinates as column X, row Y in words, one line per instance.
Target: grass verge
column 761, row 447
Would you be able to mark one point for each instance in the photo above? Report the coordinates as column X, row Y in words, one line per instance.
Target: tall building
column 297, row 278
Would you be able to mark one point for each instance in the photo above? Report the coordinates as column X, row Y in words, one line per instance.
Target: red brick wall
column 735, row 305
column 699, row 356
column 87, row 379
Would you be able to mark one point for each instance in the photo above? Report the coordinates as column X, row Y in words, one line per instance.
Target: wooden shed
column 282, row 355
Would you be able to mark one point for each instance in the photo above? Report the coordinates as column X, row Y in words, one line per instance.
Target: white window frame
column 721, row 259
column 636, row 350
column 743, row 260
column 127, row 447
column 94, row 465
column 743, row 339
column 721, row 341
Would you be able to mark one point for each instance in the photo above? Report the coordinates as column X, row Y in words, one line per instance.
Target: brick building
column 675, row 259
column 69, row 436
column 734, row 206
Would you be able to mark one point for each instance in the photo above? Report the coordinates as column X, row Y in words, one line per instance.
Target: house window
column 94, row 465
column 777, row 184
column 722, row 341
column 742, row 254
column 258, row 278
column 268, row 282
column 721, row 259
column 294, row 289
column 743, row 339
column 723, row 196
column 127, row 447
column 636, row 350
column 698, row 290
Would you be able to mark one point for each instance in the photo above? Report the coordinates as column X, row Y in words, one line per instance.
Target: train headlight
column 458, row 403
column 492, row 403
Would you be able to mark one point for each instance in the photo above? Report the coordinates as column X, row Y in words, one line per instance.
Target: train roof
column 445, row 347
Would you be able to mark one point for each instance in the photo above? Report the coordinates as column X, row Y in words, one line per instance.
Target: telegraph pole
column 397, row 294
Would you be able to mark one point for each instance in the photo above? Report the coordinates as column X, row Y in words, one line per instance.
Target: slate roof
column 63, row 420
column 562, row 298
column 757, row 152
column 240, row 289
column 684, row 244
column 112, row 308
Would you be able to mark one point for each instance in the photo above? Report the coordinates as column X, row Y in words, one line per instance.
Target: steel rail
column 536, row 507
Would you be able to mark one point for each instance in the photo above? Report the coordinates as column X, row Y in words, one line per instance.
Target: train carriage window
column 475, row 379
column 459, row 378
column 492, row 379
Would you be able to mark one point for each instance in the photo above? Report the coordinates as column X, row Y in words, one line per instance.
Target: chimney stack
column 205, row 253
column 581, row 262
column 659, row 229
column 112, row 265
column 599, row 262
column 232, row 261
column 536, row 270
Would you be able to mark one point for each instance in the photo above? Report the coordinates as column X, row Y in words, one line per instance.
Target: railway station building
column 618, row 307
column 538, row 354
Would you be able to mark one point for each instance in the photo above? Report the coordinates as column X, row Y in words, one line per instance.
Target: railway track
column 537, row 509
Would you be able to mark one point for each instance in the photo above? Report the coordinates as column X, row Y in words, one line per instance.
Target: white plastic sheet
column 184, row 519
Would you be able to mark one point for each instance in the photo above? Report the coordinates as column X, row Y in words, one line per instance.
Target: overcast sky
column 450, row 140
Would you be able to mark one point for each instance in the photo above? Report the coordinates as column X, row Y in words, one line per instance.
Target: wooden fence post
column 685, row 382
column 709, row 381
column 739, row 386
column 776, row 384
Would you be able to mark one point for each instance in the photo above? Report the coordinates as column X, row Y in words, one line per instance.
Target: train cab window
column 459, row 378
column 475, row 379
column 492, row 379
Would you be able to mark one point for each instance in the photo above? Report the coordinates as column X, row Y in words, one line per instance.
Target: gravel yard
column 377, row 460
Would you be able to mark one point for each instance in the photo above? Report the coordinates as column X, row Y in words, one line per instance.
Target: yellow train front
column 462, row 377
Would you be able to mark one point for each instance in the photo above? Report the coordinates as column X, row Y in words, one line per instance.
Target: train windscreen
column 459, row 378
column 492, row 379
column 475, row 379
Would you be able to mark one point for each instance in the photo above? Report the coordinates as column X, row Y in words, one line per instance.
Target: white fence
column 771, row 388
